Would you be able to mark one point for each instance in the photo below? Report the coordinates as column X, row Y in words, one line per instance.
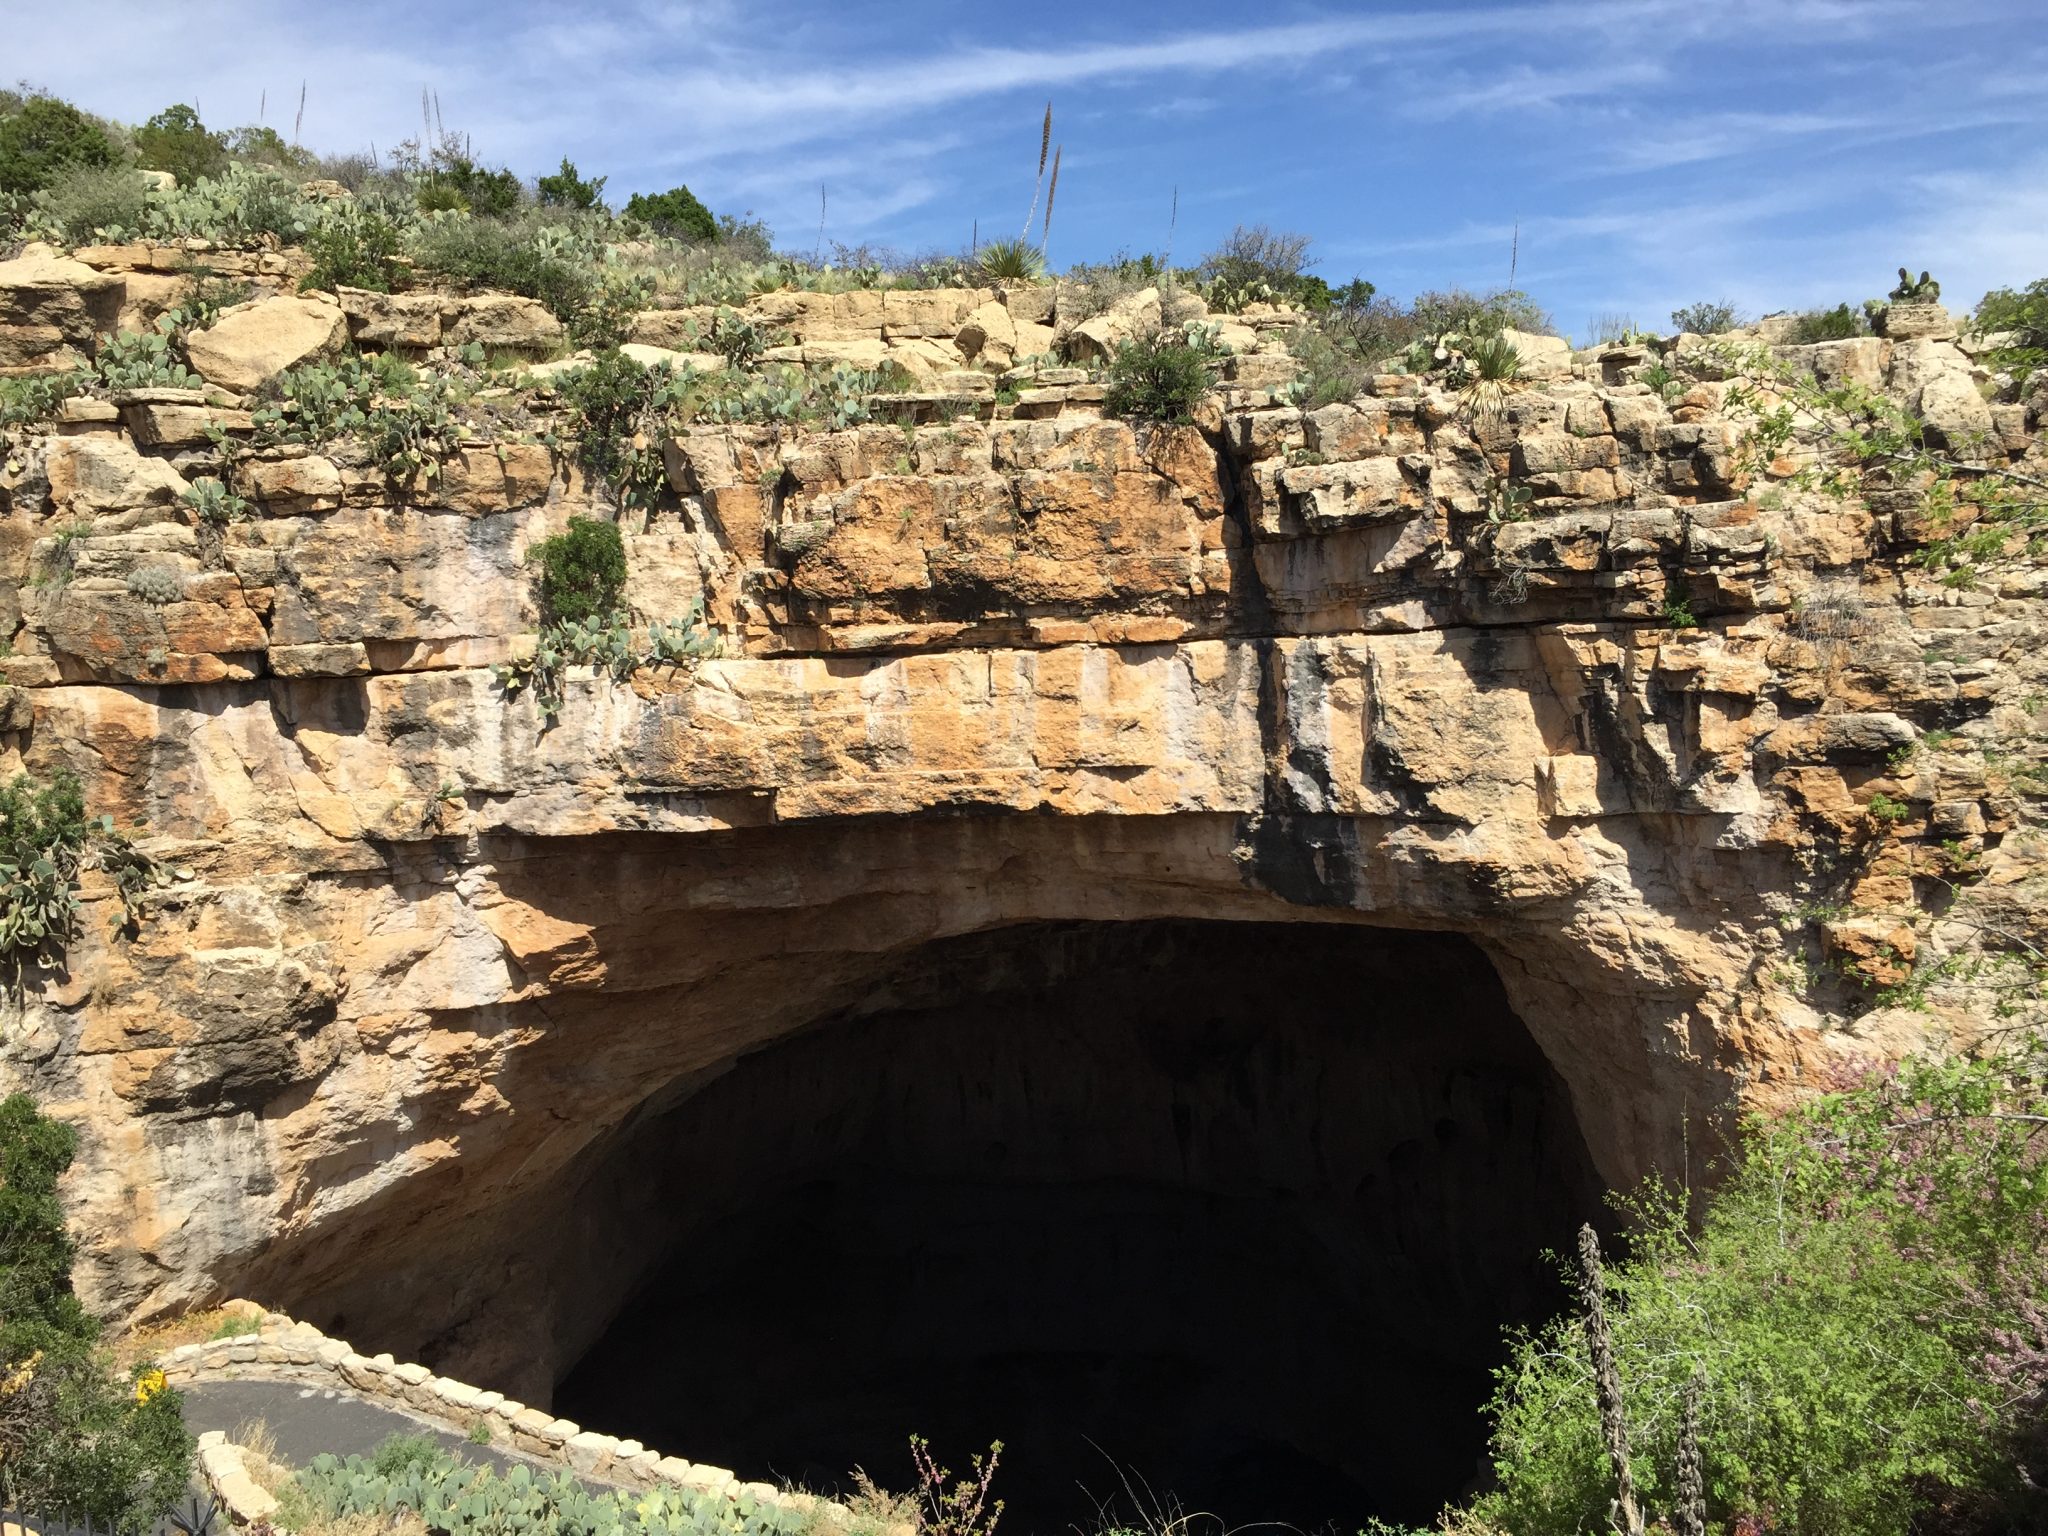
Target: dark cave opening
column 1235, row 1213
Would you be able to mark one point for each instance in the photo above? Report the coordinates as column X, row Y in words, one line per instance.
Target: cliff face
column 427, row 960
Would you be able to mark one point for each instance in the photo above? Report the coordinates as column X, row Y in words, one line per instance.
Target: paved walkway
column 304, row 1421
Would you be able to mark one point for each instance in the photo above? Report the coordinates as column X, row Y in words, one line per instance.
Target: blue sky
column 1780, row 153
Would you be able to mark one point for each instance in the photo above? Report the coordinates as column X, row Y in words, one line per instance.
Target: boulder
column 53, row 310
column 1098, row 338
column 1543, row 357
column 506, row 320
column 103, row 476
column 988, row 336
column 1903, row 321
column 251, row 344
column 1954, row 410
column 407, row 320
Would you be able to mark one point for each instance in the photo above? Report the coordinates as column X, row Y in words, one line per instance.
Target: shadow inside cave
column 1232, row 1212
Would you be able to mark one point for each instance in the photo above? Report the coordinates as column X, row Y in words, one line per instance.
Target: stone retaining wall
column 282, row 1349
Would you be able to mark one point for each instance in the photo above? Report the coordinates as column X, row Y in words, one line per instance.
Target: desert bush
column 175, row 140
column 1161, row 377
column 87, row 204
column 1865, row 1303
column 75, row 1434
column 355, row 247
column 43, row 138
column 1460, row 312
column 542, row 259
column 1331, row 370
column 582, row 571
column 1837, row 324
column 478, row 189
column 676, row 213
column 1707, row 318
column 2023, row 314
column 1258, row 265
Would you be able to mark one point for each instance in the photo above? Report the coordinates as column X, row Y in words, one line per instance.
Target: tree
column 2023, row 316
column 482, row 191
column 565, row 189
column 674, row 212
column 175, row 140
column 45, row 138
column 77, row 1437
column 264, row 145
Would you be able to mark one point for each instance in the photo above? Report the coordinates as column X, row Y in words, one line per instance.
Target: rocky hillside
column 1727, row 755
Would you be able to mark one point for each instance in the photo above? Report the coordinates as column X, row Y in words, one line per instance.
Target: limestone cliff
column 1023, row 665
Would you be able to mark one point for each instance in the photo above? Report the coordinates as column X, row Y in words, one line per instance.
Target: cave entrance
column 1236, row 1209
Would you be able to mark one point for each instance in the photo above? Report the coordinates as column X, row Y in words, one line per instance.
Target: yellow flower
column 18, row 1379
column 148, row 1384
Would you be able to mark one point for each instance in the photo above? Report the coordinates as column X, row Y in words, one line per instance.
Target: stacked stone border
column 282, row 1349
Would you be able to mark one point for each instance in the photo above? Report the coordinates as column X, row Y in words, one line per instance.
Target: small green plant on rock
column 46, row 841
column 1837, row 324
column 212, row 502
column 1161, row 377
column 582, row 571
column 157, row 585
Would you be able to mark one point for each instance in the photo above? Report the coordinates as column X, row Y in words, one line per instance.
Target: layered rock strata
column 424, row 956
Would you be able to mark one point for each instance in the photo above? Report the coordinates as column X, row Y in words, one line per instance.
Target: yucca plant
column 1010, row 261
column 1493, row 367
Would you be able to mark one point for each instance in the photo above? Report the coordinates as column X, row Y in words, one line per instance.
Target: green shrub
column 582, row 571
column 1866, row 1302
column 1158, row 378
column 543, row 261
column 45, row 137
column 175, row 140
column 75, row 1435
column 566, row 189
column 454, row 182
column 1837, row 324
column 676, row 213
column 88, row 204
column 1706, row 318
column 356, row 247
